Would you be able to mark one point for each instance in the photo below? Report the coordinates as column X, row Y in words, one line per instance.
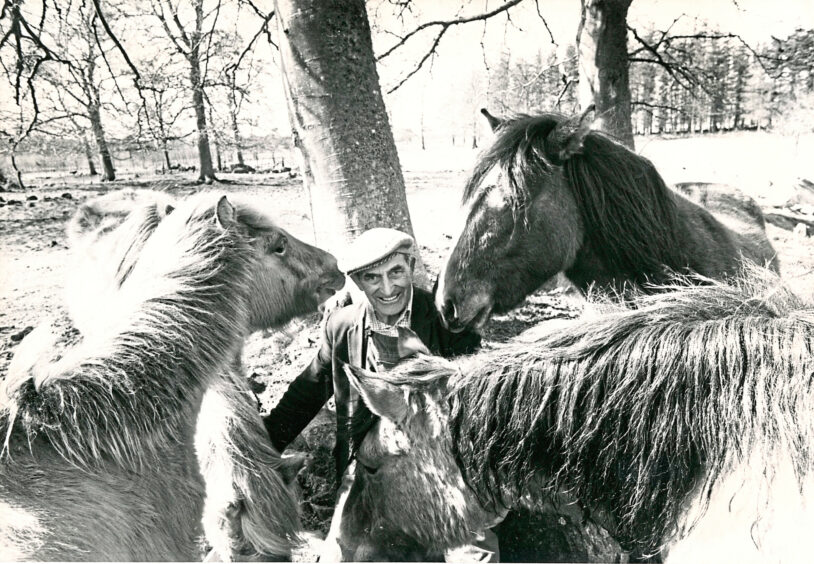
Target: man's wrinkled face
column 388, row 286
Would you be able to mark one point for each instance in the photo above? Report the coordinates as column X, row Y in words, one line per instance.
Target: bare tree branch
column 446, row 24
column 250, row 45
column 545, row 22
column 266, row 19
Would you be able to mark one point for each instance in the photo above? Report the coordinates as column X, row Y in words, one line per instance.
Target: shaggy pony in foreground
column 683, row 423
column 99, row 456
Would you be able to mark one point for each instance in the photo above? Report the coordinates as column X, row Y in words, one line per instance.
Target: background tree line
column 708, row 82
column 153, row 74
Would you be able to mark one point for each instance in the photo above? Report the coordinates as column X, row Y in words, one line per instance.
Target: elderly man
column 374, row 333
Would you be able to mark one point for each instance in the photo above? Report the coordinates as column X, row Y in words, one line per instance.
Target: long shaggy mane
column 629, row 214
column 182, row 309
column 632, row 411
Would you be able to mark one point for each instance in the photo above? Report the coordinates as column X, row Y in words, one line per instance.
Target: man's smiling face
column 388, row 286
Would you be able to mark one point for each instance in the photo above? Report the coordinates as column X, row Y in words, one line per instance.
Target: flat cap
column 372, row 246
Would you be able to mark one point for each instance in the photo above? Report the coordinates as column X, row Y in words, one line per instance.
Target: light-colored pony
column 684, row 425
column 105, row 236
column 99, row 459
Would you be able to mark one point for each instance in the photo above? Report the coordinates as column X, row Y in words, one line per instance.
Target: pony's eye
column 280, row 246
column 370, row 469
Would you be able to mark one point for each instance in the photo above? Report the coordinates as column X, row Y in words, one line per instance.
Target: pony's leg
column 250, row 512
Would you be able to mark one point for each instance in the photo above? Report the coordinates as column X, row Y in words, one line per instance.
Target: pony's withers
column 550, row 195
column 682, row 418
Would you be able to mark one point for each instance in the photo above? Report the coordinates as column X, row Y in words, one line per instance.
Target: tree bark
column 603, row 66
column 339, row 121
column 235, row 128
column 167, row 158
column 95, row 117
column 89, row 156
column 206, row 171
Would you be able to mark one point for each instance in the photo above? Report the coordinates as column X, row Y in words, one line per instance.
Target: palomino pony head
column 551, row 195
column 644, row 415
column 303, row 276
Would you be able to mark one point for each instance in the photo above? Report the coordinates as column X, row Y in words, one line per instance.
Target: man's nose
column 387, row 286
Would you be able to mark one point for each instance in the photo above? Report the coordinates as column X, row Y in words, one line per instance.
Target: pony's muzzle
column 449, row 316
column 472, row 313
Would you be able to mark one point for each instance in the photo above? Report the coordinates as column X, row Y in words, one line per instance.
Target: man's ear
column 382, row 398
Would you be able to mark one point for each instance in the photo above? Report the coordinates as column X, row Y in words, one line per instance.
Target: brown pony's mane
column 103, row 399
column 629, row 214
column 632, row 411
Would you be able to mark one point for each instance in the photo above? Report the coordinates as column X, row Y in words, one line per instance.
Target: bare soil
column 34, row 256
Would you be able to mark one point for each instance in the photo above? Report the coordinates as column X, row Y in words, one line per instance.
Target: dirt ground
column 34, row 256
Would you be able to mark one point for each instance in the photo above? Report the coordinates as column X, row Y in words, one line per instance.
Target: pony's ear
column 494, row 122
column 225, row 213
column 382, row 398
column 567, row 138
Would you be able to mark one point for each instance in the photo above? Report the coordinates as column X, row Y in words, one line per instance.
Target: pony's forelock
column 518, row 152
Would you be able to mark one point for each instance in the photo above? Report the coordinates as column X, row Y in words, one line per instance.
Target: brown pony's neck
column 632, row 227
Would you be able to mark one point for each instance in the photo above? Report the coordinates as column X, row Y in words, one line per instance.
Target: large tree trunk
column 167, row 157
column 95, row 117
column 603, row 66
column 339, row 120
column 235, row 128
column 206, row 171
column 89, row 156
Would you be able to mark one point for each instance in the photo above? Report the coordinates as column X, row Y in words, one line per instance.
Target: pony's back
column 106, row 236
column 740, row 214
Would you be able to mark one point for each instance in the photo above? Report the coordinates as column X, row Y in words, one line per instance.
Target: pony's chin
column 477, row 322
column 481, row 319
column 323, row 294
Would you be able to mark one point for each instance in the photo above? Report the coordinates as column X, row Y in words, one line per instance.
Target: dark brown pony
column 105, row 456
column 684, row 425
column 550, row 196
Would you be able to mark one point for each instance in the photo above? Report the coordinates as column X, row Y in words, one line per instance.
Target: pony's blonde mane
column 632, row 411
column 180, row 316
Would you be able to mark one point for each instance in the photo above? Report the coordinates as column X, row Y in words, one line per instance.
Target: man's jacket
column 343, row 341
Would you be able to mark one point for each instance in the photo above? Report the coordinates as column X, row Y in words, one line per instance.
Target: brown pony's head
column 551, row 195
column 524, row 225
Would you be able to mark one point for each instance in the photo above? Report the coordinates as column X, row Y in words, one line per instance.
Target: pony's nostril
column 449, row 310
